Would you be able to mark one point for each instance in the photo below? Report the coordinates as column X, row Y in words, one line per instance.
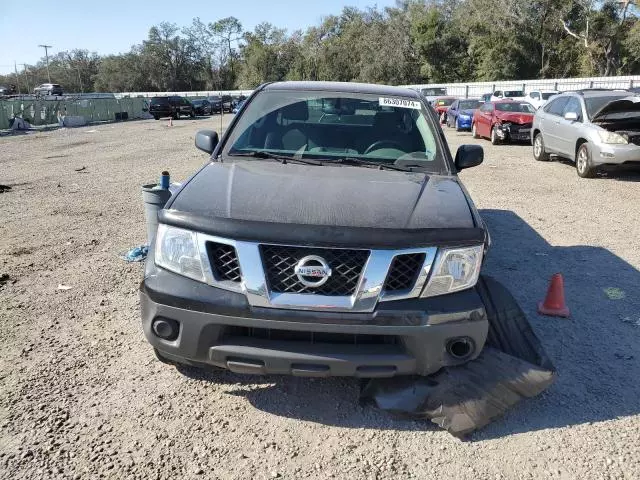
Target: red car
column 441, row 105
column 503, row 121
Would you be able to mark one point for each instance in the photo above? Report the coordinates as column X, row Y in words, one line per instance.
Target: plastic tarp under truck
column 512, row 366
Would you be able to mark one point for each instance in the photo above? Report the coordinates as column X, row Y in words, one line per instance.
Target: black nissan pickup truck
column 329, row 234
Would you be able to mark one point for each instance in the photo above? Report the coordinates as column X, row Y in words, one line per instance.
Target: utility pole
column 15, row 68
column 46, row 54
column 26, row 75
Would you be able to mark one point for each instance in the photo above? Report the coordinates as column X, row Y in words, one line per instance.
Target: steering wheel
column 383, row 144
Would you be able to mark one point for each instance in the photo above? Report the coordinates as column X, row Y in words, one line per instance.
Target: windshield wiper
column 273, row 156
column 359, row 161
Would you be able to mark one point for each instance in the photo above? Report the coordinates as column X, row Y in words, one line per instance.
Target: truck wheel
column 474, row 131
column 539, row 152
column 457, row 125
column 176, row 115
column 583, row 162
column 494, row 136
column 156, row 117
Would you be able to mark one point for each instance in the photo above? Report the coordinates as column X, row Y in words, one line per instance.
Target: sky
column 113, row 26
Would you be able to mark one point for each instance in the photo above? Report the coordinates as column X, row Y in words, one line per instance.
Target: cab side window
column 556, row 107
column 497, row 93
column 573, row 105
column 454, row 105
column 535, row 95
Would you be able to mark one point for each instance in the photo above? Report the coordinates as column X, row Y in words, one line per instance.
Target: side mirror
column 571, row 116
column 469, row 156
column 206, row 140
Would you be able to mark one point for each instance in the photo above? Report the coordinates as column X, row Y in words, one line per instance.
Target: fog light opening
column 460, row 348
column 166, row 328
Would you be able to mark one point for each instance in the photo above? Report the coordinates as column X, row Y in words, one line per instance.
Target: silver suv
column 48, row 89
column 593, row 128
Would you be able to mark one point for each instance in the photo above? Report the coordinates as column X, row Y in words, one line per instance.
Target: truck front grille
column 346, row 266
column 404, row 272
column 224, row 262
column 309, row 337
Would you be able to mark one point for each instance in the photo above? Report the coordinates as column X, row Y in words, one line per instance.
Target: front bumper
column 463, row 123
column 514, row 132
column 218, row 327
column 605, row 154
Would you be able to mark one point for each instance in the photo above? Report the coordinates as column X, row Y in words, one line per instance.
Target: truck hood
column 621, row 108
column 339, row 196
column 337, row 205
column 515, row 117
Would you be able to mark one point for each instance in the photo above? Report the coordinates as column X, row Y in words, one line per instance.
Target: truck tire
column 474, row 131
column 539, row 153
column 584, row 168
column 156, row 117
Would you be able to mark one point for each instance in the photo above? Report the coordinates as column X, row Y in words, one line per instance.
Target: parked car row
column 174, row 106
column 594, row 128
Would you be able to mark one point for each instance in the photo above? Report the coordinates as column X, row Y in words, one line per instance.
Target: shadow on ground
column 619, row 173
column 596, row 351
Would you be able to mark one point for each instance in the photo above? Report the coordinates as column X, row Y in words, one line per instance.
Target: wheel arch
column 579, row 143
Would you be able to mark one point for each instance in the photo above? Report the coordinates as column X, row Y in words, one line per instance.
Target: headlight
column 612, row 137
column 455, row 269
column 177, row 250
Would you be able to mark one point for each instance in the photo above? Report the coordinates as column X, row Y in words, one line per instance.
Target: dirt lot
column 82, row 396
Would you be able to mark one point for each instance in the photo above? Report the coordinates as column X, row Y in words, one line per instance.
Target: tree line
column 417, row 41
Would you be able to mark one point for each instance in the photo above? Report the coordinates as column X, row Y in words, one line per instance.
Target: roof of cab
column 349, row 87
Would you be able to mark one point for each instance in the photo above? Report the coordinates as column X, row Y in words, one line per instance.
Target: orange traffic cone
column 553, row 304
column 170, row 122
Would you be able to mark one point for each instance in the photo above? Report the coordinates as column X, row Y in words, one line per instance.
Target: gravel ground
column 82, row 396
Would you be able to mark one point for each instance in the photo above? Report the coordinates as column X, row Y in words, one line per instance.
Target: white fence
column 200, row 94
column 475, row 89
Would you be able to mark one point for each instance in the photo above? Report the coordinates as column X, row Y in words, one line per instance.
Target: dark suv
column 329, row 234
column 221, row 104
column 173, row 106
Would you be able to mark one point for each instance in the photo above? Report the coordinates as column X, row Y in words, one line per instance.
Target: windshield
column 215, row 99
column 513, row 93
column 433, row 92
column 515, row 107
column 337, row 125
column 197, row 102
column 469, row 104
column 444, row 102
column 548, row 95
column 594, row 104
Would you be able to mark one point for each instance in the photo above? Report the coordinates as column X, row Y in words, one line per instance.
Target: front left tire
column 539, row 153
column 584, row 167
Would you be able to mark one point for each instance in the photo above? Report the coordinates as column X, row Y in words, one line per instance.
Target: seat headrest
column 295, row 111
column 387, row 120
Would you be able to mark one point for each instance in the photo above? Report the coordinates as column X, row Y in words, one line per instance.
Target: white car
column 517, row 95
column 538, row 98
